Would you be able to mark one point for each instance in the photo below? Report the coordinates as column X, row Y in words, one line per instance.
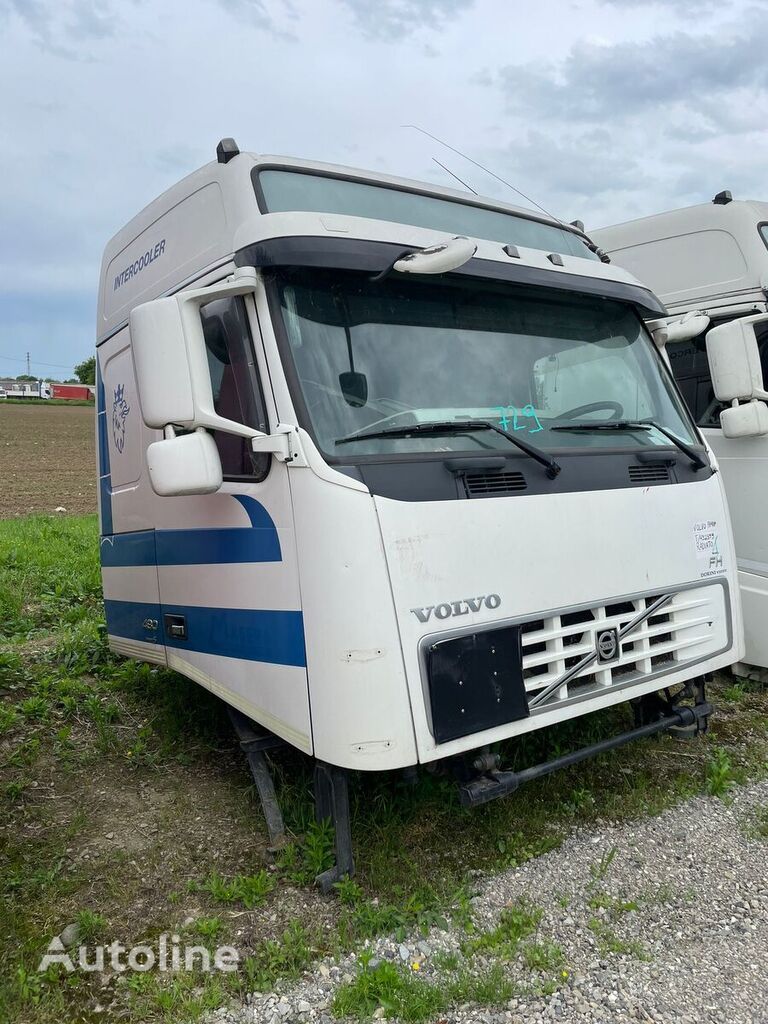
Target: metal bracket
column 254, row 742
column 332, row 802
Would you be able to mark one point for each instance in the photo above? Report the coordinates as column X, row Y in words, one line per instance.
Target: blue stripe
column 216, row 546
column 129, row 549
column 105, row 479
column 276, row 637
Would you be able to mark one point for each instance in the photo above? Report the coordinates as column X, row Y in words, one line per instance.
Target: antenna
column 486, row 169
column 449, row 171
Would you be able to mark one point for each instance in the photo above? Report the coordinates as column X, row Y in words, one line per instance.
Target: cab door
column 227, row 567
column 744, row 467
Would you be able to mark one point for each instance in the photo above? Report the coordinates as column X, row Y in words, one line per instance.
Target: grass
column 250, row 890
column 49, row 401
column 609, row 942
column 91, row 745
column 515, row 924
column 401, row 994
column 282, row 958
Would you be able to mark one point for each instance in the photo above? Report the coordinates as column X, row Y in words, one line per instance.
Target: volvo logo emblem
column 607, row 645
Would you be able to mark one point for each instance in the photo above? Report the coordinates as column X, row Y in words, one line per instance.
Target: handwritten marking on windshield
column 511, row 418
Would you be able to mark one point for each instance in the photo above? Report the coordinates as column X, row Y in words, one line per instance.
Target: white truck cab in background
column 709, row 264
column 399, row 472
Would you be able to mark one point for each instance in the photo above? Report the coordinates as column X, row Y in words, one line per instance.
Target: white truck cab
column 709, row 264
column 399, row 473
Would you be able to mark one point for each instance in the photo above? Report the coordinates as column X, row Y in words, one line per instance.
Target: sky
column 601, row 110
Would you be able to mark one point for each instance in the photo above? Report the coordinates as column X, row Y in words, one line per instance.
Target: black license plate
column 476, row 683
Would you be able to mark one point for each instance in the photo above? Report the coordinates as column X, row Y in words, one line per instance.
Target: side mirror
column 171, row 362
column 734, row 360
column 173, row 381
column 189, row 464
column 734, row 364
column 747, row 420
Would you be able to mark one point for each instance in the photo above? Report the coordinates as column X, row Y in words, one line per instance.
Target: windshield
column 374, row 356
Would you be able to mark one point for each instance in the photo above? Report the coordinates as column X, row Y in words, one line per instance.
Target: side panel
column 361, row 712
column 228, row 567
column 744, row 468
column 132, row 584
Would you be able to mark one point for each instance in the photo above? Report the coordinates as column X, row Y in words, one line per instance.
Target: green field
column 128, row 809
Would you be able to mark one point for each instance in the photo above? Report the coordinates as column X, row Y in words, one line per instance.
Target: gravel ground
column 694, row 950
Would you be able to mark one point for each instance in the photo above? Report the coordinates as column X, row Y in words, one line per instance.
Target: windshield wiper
column 458, row 427
column 698, row 461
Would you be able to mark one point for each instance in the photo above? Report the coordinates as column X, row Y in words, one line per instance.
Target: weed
column 580, row 799
column 208, row 927
column 250, row 890
column 28, row 985
column 602, row 901
column 392, row 989
column 34, row 707
column 600, row 870
column 759, row 828
column 317, row 848
column 90, row 925
column 8, row 718
column 423, row 909
column 719, row 773
column 283, row 958
column 446, row 961
column 609, row 942
column 544, row 956
column 734, row 693
column 487, row 987
column 403, row 995
column 14, row 791
column 515, row 924
column 519, row 848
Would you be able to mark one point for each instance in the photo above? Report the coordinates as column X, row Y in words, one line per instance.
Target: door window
column 236, row 385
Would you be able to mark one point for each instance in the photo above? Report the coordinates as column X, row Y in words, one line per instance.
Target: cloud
column 679, row 7
column 269, row 17
column 62, row 28
column 598, row 82
column 390, row 20
column 640, row 125
column 383, row 20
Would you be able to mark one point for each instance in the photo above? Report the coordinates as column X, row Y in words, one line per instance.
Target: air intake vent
column 649, row 474
column 486, row 485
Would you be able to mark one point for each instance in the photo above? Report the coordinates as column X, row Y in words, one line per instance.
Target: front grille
column 680, row 631
column 487, row 484
column 650, row 474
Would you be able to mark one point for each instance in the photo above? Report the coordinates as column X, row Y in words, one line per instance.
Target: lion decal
column 120, row 410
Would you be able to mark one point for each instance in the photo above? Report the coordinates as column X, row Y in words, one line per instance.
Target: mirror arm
column 283, row 443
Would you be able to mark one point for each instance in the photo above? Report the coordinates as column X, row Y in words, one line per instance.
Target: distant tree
column 26, row 376
column 86, row 371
